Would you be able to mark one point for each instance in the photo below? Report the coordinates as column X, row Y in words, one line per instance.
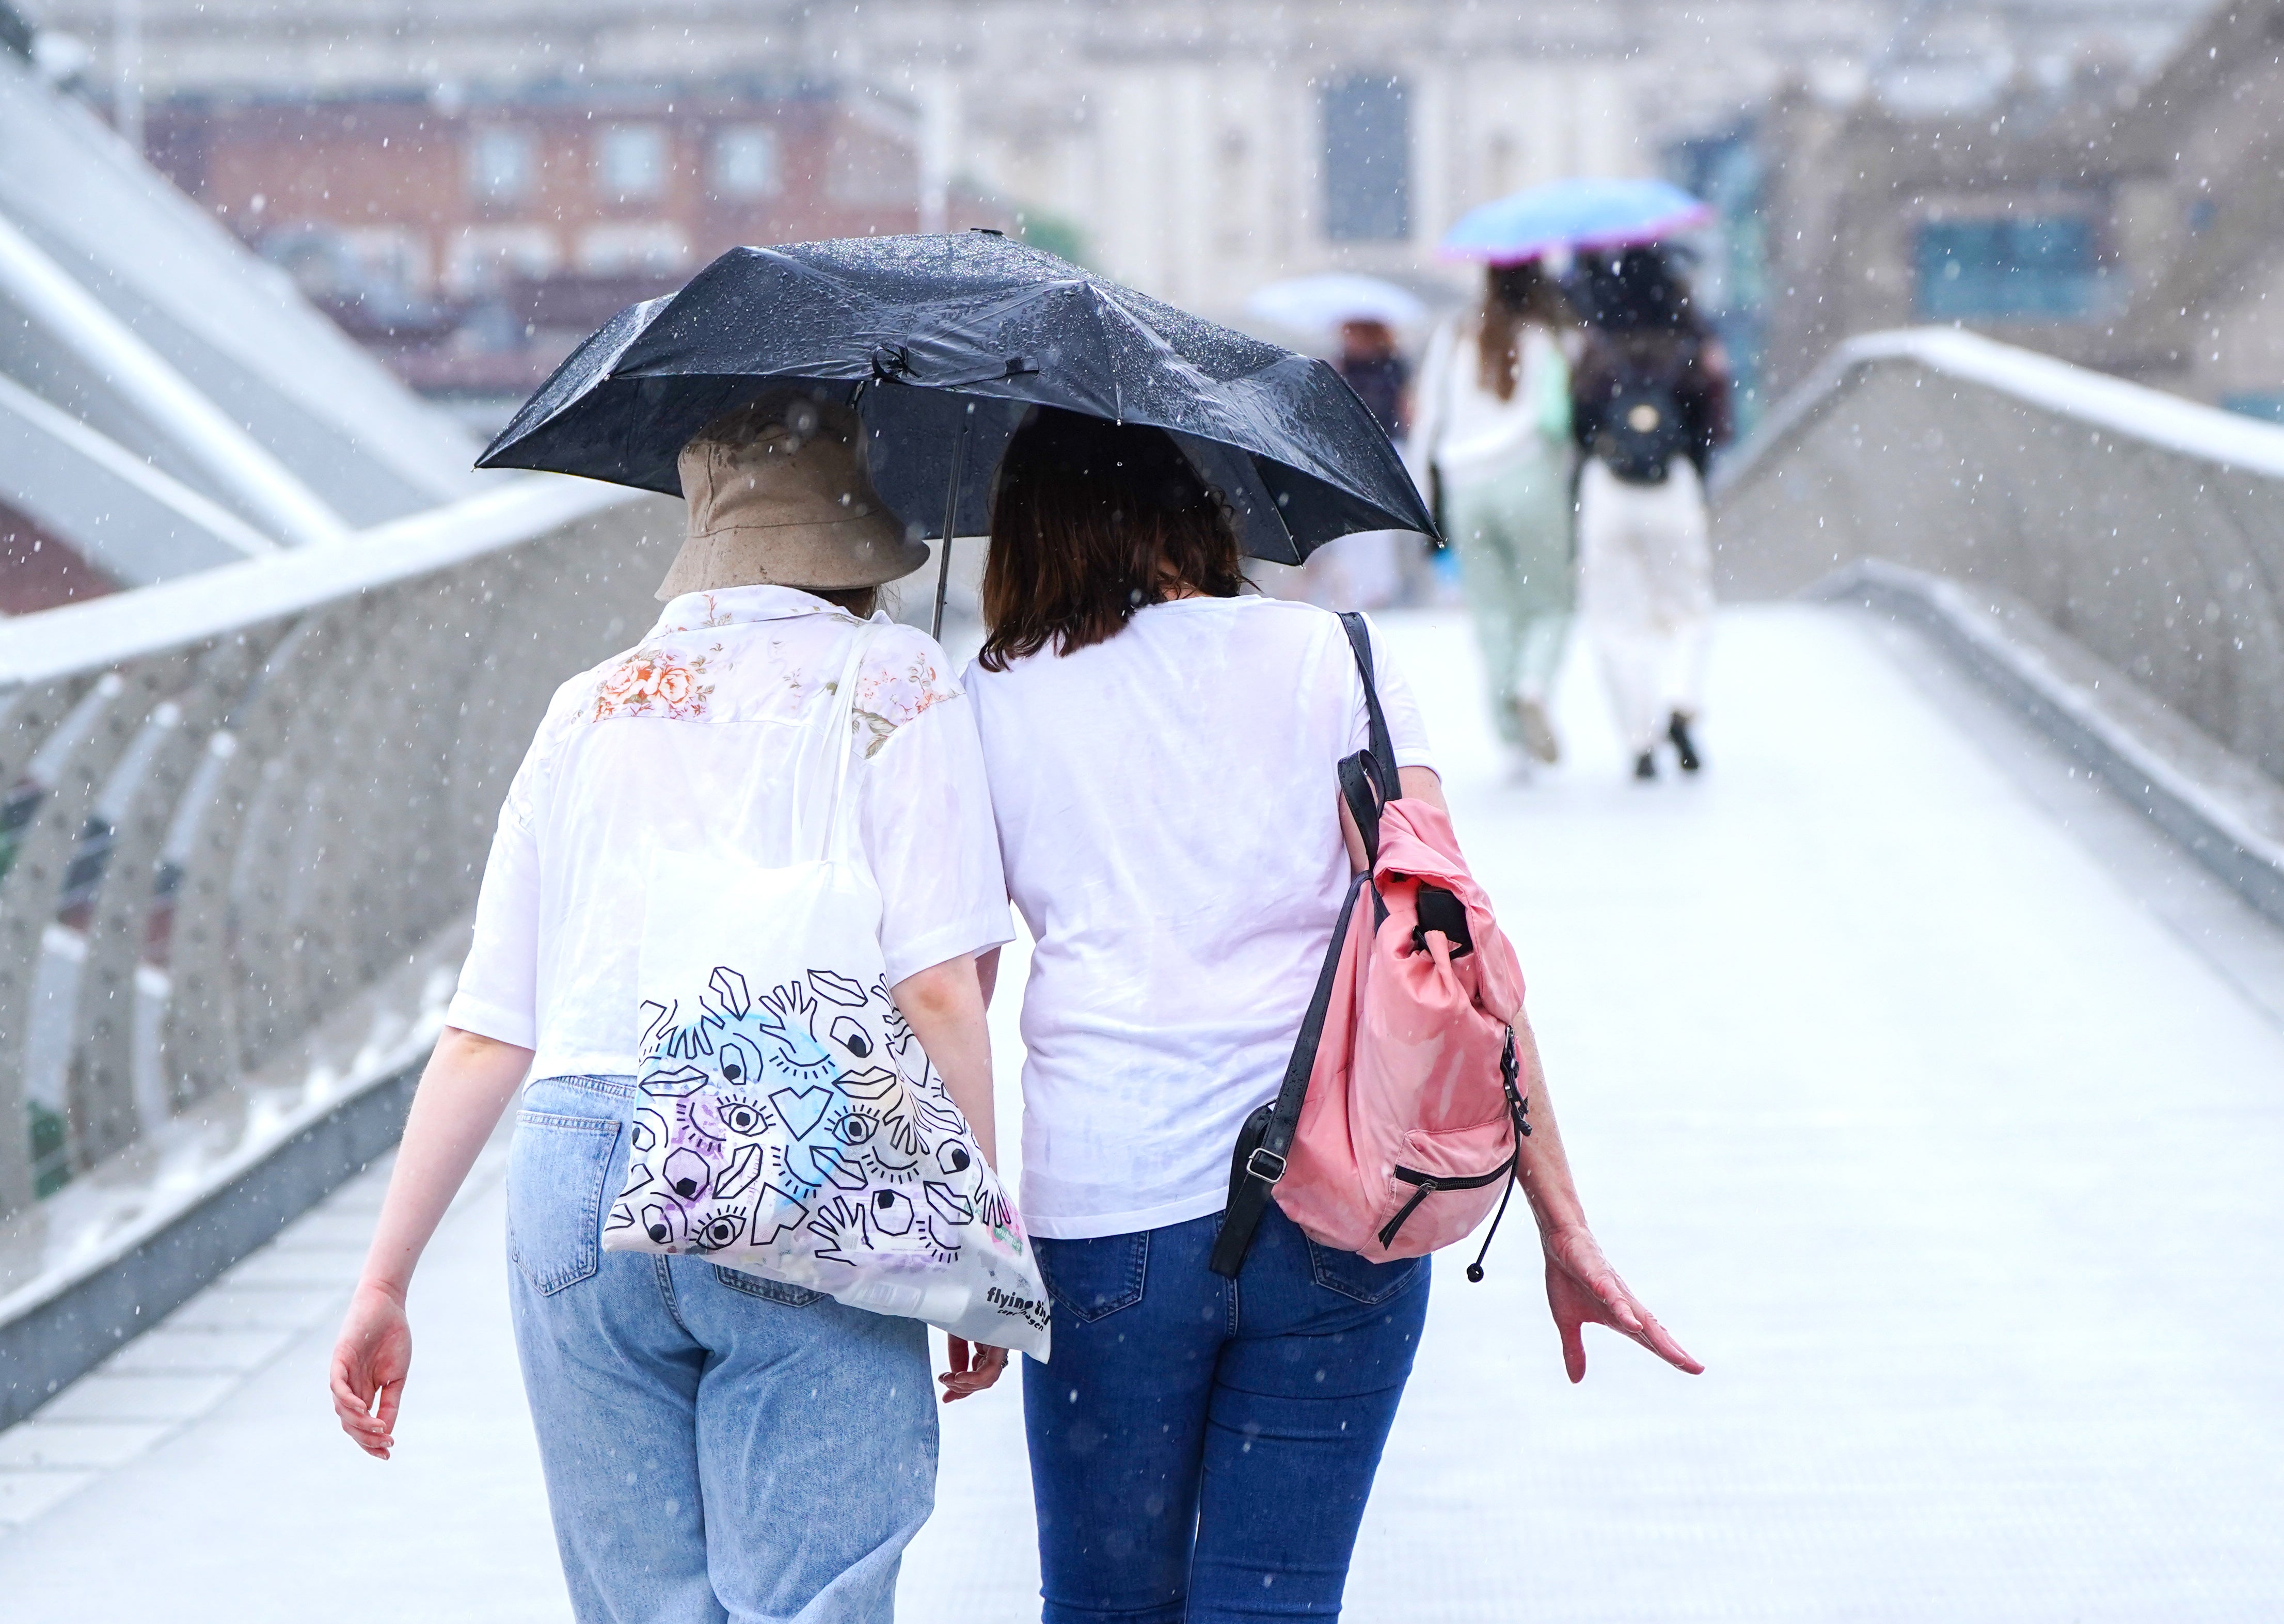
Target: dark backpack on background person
column 1642, row 428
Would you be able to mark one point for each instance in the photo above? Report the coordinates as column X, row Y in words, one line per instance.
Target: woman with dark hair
column 1163, row 749
column 1490, row 444
column 1650, row 404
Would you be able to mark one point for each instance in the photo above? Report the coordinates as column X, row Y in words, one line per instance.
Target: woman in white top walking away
column 1490, row 444
column 716, row 1445
column 1650, row 406
column 1162, row 750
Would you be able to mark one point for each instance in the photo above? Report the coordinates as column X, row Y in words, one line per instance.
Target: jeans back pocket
column 558, row 1167
column 1093, row 1279
column 1360, row 1278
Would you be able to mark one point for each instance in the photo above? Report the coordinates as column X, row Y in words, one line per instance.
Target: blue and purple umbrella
column 1579, row 214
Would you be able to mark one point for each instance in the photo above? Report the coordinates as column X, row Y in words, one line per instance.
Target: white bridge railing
column 242, row 819
column 2146, row 529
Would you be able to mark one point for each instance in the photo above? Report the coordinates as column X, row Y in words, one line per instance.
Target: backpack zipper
column 1429, row 1183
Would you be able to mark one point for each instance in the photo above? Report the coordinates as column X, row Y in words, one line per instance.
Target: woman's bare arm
column 468, row 1081
column 1581, row 1285
column 944, row 1004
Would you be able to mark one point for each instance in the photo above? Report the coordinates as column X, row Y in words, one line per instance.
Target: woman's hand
column 1582, row 1288
column 370, row 1362
column 468, row 1081
column 973, row 1368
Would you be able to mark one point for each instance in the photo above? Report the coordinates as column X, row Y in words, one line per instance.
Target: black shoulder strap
column 1381, row 746
column 1267, row 1137
column 1367, row 778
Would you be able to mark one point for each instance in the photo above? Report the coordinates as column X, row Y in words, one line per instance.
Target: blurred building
column 1194, row 150
column 2131, row 221
column 168, row 402
column 471, row 185
column 473, row 239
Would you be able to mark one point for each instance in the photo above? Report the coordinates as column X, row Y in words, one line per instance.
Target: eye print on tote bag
column 805, row 1131
column 808, row 1121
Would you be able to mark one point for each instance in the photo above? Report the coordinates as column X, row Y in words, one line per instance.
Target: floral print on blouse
column 655, row 682
column 890, row 694
column 755, row 653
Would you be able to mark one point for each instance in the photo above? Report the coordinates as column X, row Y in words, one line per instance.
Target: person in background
column 1650, row 404
column 1490, row 447
column 1366, row 570
column 1373, row 368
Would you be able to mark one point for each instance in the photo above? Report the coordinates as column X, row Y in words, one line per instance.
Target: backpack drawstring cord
column 1510, row 1069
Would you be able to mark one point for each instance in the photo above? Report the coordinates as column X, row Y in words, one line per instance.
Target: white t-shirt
column 1169, row 822
column 693, row 741
column 1465, row 430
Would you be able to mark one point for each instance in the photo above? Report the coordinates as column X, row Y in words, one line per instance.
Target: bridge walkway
column 1936, row 1103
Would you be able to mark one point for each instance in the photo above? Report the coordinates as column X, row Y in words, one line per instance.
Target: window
column 631, row 161
column 482, row 260
column 869, row 172
column 502, row 165
column 2023, row 268
column 1367, row 159
column 634, row 248
column 745, row 162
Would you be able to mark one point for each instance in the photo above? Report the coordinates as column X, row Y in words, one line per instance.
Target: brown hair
column 1091, row 522
column 1514, row 297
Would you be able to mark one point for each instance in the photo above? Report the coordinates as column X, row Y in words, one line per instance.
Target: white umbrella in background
column 1321, row 303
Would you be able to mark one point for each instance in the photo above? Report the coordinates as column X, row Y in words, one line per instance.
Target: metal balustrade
column 242, row 815
column 2146, row 529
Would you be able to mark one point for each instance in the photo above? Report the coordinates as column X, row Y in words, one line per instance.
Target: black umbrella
column 944, row 344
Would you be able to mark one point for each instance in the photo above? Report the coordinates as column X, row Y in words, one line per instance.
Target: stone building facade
column 2129, row 221
column 1195, row 150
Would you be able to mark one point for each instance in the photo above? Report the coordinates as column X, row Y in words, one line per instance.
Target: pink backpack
column 1398, row 1123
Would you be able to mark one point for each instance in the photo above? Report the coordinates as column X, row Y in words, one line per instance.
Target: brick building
column 472, row 241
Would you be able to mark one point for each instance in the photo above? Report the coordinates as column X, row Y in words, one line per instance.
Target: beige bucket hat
column 778, row 494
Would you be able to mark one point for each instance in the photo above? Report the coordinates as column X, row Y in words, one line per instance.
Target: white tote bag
column 789, row 1123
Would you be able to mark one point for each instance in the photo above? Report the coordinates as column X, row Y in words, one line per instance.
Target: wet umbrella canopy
column 1573, row 213
column 944, row 343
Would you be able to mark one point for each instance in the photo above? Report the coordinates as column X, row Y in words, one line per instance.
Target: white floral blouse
column 706, row 735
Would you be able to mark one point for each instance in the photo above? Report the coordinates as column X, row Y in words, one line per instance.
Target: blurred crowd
column 1560, row 430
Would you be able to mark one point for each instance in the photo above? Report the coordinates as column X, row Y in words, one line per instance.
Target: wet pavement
column 1934, row 1103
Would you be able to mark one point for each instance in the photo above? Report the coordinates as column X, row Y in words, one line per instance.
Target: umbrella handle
column 951, row 520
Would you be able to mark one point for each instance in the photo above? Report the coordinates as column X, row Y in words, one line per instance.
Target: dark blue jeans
column 1202, row 1449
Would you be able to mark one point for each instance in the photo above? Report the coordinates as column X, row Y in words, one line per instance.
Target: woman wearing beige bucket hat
column 716, row 1445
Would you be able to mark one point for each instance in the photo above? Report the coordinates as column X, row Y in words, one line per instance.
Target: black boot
column 1646, row 765
column 1685, row 746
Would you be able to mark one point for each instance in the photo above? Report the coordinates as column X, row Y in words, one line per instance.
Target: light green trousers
column 1512, row 532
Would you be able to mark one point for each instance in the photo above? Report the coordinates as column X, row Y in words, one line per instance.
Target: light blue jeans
column 718, row 1446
